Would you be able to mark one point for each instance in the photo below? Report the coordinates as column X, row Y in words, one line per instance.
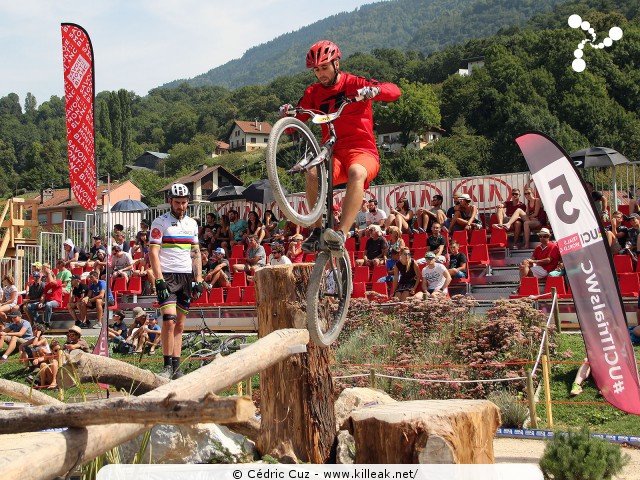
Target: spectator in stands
column 118, row 228
column 223, row 236
column 436, row 241
column 33, row 351
column 401, row 216
column 9, row 297
column 534, row 216
column 152, row 329
column 545, row 257
column 238, row 226
column 79, row 292
column 74, row 256
column 17, row 332
column 394, row 257
column 376, row 248
column 506, row 210
column 269, row 227
column 142, row 268
column 425, row 217
column 630, row 237
column 457, row 261
column 97, row 245
column 255, row 258
column 337, row 214
column 121, row 263
column 117, row 332
column 49, row 367
column 466, row 217
column 295, row 253
column 75, row 341
column 360, row 223
column 51, row 295
column 142, row 239
column 395, row 238
column 277, row 256
column 435, row 278
column 64, row 275
column 375, row 216
column 406, row 276
column 96, row 299
column 600, row 202
column 209, row 224
column 120, row 241
column 290, row 230
column 634, row 203
column 100, row 263
column 451, row 212
column 218, row 275
column 33, row 294
column 254, row 227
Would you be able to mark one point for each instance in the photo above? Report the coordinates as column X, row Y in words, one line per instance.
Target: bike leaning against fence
column 293, row 150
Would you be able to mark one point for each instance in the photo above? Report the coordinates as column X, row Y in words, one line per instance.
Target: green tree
column 115, row 114
column 184, row 158
column 149, row 184
column 104, row 121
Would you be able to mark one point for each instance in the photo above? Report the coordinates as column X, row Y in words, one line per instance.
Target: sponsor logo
column 416, row 195
column 78, row 71
column 576, row 241
column 155, row 233
column 575, row 21
column 486, row 193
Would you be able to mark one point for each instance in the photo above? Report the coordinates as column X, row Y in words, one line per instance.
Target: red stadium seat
column 379, row 271
column 528, row 286
column 461, row 237
column 361, row 274
column 237, row 251
column 479, row 255
column 558, row 283
column 498, row 238
column 249, row 295
column 623, row 264
column 359, row 290
column 419, row 241
column 381, row 288
column 239, row 279
column 350, row 244
column 234, row 296
column 478, row 237
column 119, row 284
column 216, row 296
column 629, row 284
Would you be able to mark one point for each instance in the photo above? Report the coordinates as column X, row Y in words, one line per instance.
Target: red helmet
column 322, row 52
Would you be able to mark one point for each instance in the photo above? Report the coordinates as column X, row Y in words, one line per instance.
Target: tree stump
column 296, row 404
column 425, row 431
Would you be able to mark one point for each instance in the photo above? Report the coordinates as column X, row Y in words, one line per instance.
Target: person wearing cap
column 435, row 278
column 255, row 258
column 406, row 276
column 295, row 252
column 117, row 332
column 51, row 295
column 33, row 293
column 466, row 217
column 9, row 296
column 96, row 298
column 79, row 291
column 545, row 258
column 375, row 250
column 153, row 331
column 16, row 333
column 218, row 274
column 277, row 256
column 75, row 340
column 532, row 216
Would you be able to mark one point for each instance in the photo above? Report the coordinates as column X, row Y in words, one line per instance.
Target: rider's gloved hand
column 286, row 109
column 369, row 92
column 197, row 290
column 162, row 291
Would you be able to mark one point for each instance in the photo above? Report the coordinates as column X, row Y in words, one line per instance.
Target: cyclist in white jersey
column 174, row 254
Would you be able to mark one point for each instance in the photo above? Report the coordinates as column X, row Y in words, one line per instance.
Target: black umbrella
column 129, row 205
column 598, row 157
column 228, row 192
column 260, row 192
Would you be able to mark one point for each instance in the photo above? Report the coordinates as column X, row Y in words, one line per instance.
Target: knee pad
column 167, row 316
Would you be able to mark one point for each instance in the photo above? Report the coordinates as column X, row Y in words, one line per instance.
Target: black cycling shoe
column 334, row 240
column 311, row 244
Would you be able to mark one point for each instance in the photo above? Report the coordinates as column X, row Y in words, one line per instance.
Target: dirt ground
column 513, row 450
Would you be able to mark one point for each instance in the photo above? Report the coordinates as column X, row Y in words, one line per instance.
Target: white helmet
column 178, row 190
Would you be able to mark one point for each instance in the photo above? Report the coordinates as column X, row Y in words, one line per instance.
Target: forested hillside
column 424, row 26
column 527, row 83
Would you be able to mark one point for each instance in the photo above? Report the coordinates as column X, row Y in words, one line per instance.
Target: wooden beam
column 59, row 452
column 25, row 393
column 167, row 411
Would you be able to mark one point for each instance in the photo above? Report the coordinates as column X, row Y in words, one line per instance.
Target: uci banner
column 77, row 59
column 589, row 268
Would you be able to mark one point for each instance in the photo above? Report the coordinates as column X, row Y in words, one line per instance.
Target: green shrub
column 578, row 456
column 512, row 412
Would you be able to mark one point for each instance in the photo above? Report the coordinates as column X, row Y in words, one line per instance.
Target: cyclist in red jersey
column 356, row 159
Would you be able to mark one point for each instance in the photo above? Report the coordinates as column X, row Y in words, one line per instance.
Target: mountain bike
column 204, row 344
column 293, row 150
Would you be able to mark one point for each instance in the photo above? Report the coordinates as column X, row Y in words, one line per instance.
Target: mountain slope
column 421, row 25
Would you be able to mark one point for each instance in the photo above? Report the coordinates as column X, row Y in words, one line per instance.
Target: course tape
column 545, row 434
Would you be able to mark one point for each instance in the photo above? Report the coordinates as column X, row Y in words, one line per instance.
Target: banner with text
column 79, row 92
column 589, row 268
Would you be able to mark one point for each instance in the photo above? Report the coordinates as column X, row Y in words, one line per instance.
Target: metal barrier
column 25, row 256
column 76, row 230
column 51, row 247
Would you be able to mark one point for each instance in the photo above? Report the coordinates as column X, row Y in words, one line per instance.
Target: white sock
column 4, row 357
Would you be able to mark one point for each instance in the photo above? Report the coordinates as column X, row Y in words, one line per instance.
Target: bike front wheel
column 328, row 296
column 290, row 142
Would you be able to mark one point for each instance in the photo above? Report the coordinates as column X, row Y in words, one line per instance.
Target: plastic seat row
column 232, row 296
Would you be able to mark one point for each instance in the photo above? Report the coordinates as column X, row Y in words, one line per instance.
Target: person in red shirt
column 51, row 296
column 356, row 159
column 545, row 258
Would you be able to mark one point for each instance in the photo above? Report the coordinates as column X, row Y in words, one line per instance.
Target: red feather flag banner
column 79, row 93
column 589, row 266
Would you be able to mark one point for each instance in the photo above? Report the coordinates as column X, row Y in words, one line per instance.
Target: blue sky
column 141, row 44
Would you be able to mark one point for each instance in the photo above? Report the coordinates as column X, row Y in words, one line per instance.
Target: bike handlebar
column 321, row 117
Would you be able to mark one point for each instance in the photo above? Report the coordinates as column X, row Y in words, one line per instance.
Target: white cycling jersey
column 175, row 238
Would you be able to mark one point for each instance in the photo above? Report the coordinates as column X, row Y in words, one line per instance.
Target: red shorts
column 344, row 159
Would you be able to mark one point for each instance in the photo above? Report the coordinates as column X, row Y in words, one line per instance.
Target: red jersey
column 552, row 251
column 354, row 128
column 53, row 291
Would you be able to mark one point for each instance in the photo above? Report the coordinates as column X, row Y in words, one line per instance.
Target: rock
column 346, row 449
column 353, row 398
column 200, row 443
column 425, row 431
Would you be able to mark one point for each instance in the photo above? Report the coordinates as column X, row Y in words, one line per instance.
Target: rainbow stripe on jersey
column 175, row 237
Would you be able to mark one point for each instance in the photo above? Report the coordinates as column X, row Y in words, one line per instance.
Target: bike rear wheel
column 328, row 297
column 290, row 142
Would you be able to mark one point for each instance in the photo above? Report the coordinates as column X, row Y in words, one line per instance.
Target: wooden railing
column 13, row 222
